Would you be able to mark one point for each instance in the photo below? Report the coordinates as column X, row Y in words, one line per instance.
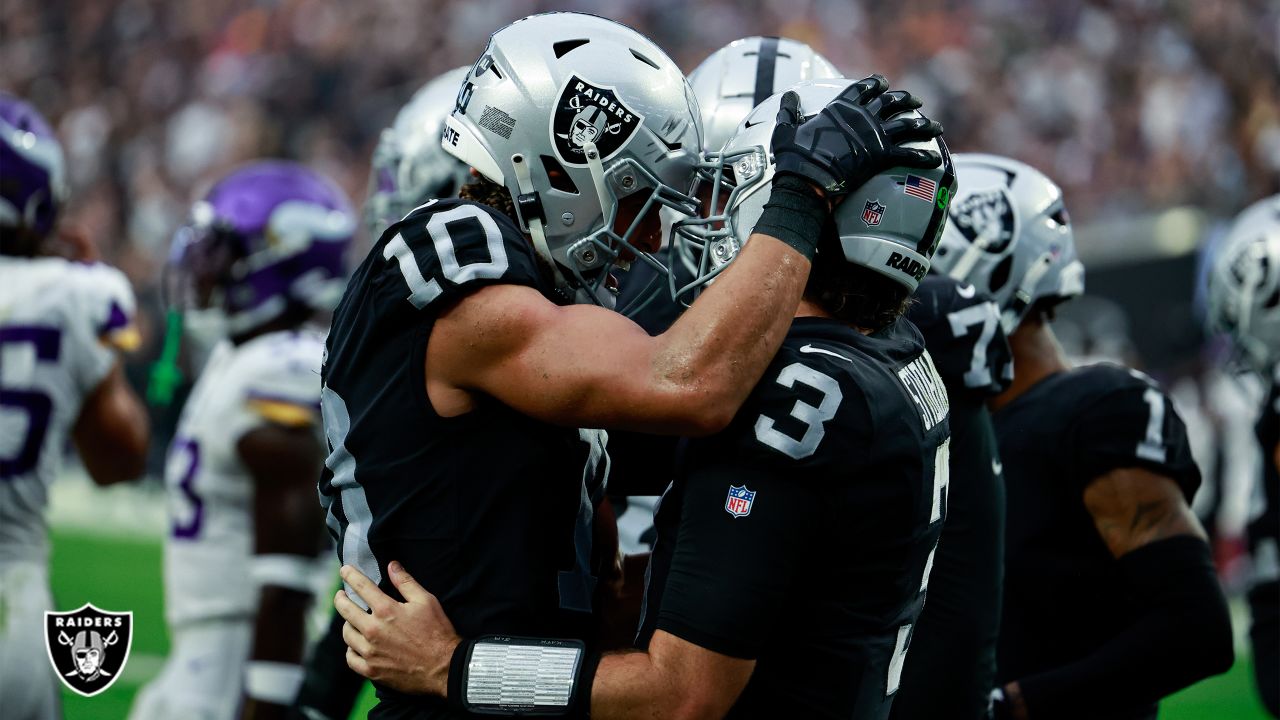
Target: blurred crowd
column 1130, row 104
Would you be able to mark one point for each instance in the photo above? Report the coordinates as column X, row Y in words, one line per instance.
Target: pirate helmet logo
column 587, row 113
column 88, row 647
column 986, row 216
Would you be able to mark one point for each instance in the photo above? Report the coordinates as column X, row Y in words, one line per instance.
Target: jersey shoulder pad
column 278, row 376
column 961, row 328
column 809, row 410
column 102, row 296
column 1124, row 419
column 446, row 247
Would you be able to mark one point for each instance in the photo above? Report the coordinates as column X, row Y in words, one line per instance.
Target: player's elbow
column 706, row 418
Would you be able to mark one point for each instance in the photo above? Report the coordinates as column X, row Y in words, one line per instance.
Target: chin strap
column 1022, row 297
column 524, row 183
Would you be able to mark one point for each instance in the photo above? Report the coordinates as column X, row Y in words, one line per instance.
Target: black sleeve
column 1132, row 424
column 963, row 334
column 741, row 531
column 449, row 247
column 640, row 464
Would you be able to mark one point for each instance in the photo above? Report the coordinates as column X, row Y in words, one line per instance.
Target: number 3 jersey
column 1063, row 597
column 489, row 510
column 61, row 323
column 802, row 535
column 271, row 379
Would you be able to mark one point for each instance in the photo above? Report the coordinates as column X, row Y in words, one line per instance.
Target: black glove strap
column 794, row 214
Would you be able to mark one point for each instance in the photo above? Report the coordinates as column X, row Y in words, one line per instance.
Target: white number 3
column 812, row 417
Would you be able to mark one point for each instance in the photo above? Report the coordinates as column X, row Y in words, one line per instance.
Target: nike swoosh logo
column 749, row 124
column 966, row 291
column 997, row 467
column 812, row 349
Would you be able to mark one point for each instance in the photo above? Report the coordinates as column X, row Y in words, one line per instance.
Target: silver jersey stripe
column 355, row 506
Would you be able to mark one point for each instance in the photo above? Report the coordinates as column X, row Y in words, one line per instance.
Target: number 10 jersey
column 490, row 510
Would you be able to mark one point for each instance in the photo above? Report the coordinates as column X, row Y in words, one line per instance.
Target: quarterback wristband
column 794, row 214
column 522, row 676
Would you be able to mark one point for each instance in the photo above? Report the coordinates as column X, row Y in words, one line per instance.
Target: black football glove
column 854, row 138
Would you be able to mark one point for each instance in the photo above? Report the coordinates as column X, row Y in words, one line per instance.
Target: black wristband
column 457, row 672
column 794, row 214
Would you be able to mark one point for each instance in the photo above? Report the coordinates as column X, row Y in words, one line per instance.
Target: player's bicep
column 573, row 365
column 743, row 530
column 1133, row 507
column 284, row 462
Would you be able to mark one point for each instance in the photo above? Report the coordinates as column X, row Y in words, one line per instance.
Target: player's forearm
column 1182, row 635
column 717, row 351
column 628, row 686
column 274, row 671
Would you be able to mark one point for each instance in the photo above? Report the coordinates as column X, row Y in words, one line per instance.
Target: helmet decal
column 590, row 113
column 986, row 214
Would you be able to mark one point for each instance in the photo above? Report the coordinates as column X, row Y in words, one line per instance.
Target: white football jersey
column 273, row 378
column 60, row 325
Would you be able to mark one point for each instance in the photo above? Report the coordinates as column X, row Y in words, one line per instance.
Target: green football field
column 124, row 574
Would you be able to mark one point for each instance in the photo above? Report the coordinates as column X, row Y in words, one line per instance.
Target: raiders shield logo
column 986, row 215
column 88, row 647
column 590, row 113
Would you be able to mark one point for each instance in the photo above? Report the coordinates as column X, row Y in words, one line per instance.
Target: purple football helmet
column 32, row 169
column 269, row 237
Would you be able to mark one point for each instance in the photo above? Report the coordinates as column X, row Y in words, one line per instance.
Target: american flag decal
column 739, row 501
column 922, row 188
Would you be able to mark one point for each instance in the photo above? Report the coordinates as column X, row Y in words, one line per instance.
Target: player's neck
column 808, row 308
column 1036, row 356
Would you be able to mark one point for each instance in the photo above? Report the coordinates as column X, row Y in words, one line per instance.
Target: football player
column 1244, row 300
column 1110, row 597
column 728, row 84
column 820, row 503
column 264, row 252
column 408, row 168
column 467, row 354
column 62, row 327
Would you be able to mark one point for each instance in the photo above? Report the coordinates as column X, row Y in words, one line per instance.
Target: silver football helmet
column 743, row 74
column 1244, row 284
column 1010, row 236
column 409, row 166
column 577, row 115
column 890, row 225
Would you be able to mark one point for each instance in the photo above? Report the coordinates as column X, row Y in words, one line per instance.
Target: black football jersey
column 1063, row 596
column 801, row 535
column 491, row 511
column 1264, row 526
column 952, row 665
column 644, row 293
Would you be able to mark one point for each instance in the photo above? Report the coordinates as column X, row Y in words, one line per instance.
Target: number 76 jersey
column 61, row 323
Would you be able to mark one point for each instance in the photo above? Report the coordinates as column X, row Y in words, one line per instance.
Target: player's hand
column 1006, row 703
column 855, row 137
column 406, row 645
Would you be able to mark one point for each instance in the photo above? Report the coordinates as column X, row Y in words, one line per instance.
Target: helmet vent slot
column 563, row 47
column 644, row 59
column 557, row 177
column 1000, row 275
column 1272, row 301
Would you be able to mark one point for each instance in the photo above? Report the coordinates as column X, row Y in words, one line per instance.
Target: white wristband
column 292, row 572
column 273, row 682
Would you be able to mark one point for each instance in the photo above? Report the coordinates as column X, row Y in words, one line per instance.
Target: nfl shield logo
column 738, row 503
column 872, row 212
column 88, row 647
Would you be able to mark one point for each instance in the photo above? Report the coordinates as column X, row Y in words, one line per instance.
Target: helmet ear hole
column 1000, row 275
column 1272, row 301
column 557, row 177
